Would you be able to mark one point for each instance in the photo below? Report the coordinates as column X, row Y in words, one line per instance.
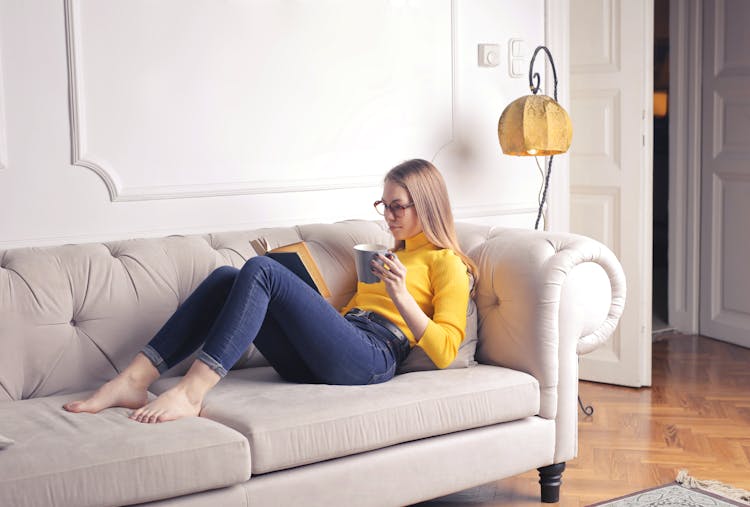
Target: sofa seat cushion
column 290, row 424
column 60, row 458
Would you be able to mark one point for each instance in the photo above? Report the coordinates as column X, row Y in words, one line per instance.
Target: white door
column 725, row 173
column 611, row 55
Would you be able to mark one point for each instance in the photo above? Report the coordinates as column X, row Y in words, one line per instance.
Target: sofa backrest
column 72, row 316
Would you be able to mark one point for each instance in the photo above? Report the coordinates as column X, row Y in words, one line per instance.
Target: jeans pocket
column 379, row 378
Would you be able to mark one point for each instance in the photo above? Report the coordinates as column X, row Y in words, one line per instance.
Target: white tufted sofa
column 72, row 316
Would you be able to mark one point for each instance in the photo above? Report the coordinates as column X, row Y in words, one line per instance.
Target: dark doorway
column 660, row 315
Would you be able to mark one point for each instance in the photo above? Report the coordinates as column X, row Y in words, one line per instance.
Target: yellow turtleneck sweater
column 439, row 282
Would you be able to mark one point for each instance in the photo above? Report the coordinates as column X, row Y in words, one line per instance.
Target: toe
column 74, row 406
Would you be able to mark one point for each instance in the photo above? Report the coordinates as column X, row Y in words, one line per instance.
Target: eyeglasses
column 396, row 208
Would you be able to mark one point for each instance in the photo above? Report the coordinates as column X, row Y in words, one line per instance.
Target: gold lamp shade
column 534, row 125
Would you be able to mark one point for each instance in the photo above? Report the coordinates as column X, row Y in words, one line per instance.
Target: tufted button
column 73, row 322
column 111, row 250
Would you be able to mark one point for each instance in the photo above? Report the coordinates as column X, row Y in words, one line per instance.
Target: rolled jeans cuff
column 212, row 363
column 155, row 358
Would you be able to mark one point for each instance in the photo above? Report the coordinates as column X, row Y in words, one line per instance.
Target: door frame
column 647, row 166
column 557, row 39
column 685, row 83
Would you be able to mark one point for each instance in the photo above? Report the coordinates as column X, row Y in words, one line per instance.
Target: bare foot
column 121, row 391
column 170, row 405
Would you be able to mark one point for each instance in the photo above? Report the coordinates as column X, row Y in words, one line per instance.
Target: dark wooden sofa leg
column 550, row 478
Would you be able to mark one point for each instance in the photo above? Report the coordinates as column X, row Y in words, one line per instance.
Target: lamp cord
column 542, row 173
column 544, row 192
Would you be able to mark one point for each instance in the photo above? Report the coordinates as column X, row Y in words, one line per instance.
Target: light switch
column 488, row 55
column 517, row 48
column 517, row 57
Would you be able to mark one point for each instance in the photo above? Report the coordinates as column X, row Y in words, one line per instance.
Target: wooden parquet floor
column 695, row 416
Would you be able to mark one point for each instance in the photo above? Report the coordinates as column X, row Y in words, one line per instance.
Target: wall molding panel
column 469, row 212
column 135, row 118
column 134, row 136
column 509, row 215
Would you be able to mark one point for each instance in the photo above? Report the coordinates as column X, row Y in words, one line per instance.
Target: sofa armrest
column 543, row 298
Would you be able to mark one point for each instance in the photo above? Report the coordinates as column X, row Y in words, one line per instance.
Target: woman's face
column 407, row 225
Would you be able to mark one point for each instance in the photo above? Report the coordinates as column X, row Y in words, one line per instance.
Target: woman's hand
column 393, row 274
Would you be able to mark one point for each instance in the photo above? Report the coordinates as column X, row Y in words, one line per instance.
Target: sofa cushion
column 417, row 360
column 295, row 424
column 61, row 458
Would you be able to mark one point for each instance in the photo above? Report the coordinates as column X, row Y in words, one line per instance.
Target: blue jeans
column 300, row 334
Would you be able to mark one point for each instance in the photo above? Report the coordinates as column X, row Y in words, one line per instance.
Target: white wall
column 144, row 118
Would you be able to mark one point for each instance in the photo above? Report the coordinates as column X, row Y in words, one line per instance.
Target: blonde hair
column 429, row 194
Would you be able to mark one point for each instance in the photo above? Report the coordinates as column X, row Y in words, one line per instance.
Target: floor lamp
column 537, row 125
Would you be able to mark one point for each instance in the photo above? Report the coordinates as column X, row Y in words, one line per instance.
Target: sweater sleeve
column 447, row 328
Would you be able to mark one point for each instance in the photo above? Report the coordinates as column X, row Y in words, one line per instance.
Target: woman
column 266, row 304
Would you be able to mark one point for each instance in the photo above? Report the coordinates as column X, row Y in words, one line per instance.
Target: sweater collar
column 417, row 241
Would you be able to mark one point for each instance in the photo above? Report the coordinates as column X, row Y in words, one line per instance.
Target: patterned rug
column 684, row 492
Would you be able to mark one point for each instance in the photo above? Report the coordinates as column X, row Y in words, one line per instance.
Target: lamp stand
column 535, row 89
column 586, row 409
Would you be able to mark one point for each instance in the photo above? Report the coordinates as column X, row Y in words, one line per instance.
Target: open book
column 297, row 258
